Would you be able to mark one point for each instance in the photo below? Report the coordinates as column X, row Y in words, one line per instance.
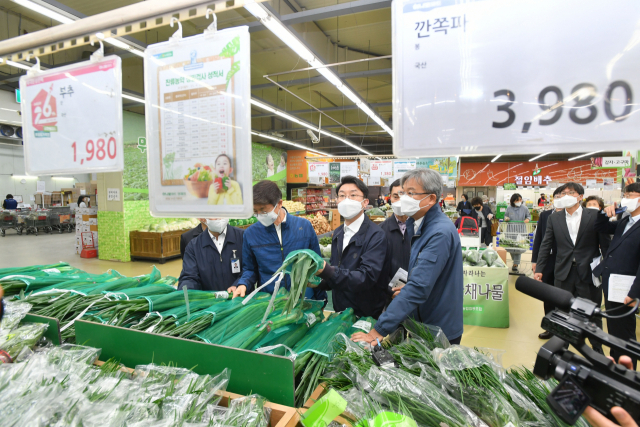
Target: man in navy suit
column 623, row 258
column 547, row 275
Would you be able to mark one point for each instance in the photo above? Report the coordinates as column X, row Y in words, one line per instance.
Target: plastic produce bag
column 21, row 338
column 248, row 411
column 498, row 263
column 481, row 263
column 473, row 257
column 489, row 255
column 14, row 312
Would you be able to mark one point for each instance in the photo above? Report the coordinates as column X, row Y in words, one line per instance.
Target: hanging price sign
column 504, row 76
column 381, row 168
column 318, row 170
column 72, row 118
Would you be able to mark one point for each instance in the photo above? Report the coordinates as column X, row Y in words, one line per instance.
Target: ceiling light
column 133, row 98
column 585, row 155
column 496, row 158
column 329, row 75
column 352, row 96
column 18, row 65
column 256, row 10
column 24, row 177
column 44, row 11
column 284, row 141
column 263, row 106
column 537, row 157
column 284, row 34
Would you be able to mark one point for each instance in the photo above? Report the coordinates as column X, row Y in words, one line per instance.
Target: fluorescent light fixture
column 284, row 34
column 352, row 96
column 537, row 157
column 44, row 11
column 18, row 65
column 329, row 75
column 132, row 98
column 256, row 10
column 62, row 177
column 24, row 177
column 263, row 106
column 8, row 109
column 496, row 158
column 284, row 141
column 585, row 155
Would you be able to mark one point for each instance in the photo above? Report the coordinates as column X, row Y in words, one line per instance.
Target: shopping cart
column 516, row 237
column 61, row 219
column 8, row 221
column 469, row 232
column 38, row 220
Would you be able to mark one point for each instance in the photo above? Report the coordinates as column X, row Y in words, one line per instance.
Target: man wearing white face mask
column 269, row 241
column 358, row 272
column 622, row 259
column 435, row 289
column 212, row 261
column 395, row 227
column 572, row 231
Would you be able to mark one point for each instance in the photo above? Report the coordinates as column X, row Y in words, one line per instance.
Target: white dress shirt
column 279, row 228
column 416, row 225
column 632, row 221
column 219, row 241
column 573, row 223
column 351, row 230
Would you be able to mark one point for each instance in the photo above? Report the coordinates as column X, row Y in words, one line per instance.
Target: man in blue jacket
column 622, row 258
column 358, row 272
column 270, row 240
column 434, row 290
column 212, row 261
column 398, row 241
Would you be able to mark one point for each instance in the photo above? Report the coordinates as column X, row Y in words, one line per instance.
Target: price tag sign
column 348, row 169
column 381, row 168
column 319, row 170
column 492, row 82
column 616, row 162
column 72, row 118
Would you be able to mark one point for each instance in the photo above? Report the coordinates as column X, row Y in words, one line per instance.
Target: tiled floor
column 520, row 341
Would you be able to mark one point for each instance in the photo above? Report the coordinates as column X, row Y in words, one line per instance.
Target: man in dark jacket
column 358, row 273
column 547, row 274
column 622, row 258
column 482, row 214
column 395, row 227
column 188, row 236
column 10, row 203
column 434, row 292
column 212, row 260
column 578, row 244
column 269, row 241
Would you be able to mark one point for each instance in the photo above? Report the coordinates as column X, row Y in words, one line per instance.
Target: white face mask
column 565, row 202
column 630, row 204
column 268, row 218
column 349, row 208
column 217, row 225
column 397, row 208
column 593, row 207
column 410, row 206
column 518, row 204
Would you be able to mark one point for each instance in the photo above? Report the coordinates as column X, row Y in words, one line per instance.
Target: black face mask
column 478, row 208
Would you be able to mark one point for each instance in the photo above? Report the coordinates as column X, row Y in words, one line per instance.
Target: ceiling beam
column 346, row 107
column 317, row 14
column 321, row 79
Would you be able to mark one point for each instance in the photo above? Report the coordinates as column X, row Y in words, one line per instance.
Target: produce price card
column 72, row 118
column 198, row 125
column 504, row 76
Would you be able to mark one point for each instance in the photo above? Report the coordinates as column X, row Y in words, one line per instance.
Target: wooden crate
column 155, row 246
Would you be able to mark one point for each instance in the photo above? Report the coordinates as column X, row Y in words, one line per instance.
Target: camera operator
column 596, row 419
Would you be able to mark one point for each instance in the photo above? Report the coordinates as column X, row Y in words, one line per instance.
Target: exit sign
column 18, row 98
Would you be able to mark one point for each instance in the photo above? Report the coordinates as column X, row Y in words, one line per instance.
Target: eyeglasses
column 568, row 193
column 341, row 197
column 398, row 194
column 411, row 194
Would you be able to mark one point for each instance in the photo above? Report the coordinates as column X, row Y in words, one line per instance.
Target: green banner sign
column 486, row 297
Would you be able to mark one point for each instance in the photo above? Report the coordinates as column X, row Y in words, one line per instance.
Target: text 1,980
column 582, row 112
column 99, row 150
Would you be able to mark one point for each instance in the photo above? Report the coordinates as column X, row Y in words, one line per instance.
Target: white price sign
column 72, row 118
column 348, row 169
column 319, row 170
column 616, row 162
column 492, row 82
column 381, row 168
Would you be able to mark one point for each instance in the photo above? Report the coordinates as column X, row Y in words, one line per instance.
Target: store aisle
column 520, row 340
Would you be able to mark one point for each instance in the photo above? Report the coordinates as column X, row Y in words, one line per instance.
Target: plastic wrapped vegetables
column 21, row 338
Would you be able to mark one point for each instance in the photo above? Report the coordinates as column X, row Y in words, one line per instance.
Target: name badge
column 235, row 265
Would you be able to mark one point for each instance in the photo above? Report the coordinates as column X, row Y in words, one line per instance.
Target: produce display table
column 155, row 246
column 486, row 296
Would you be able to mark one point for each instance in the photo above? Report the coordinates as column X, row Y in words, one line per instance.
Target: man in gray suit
column 572, row 232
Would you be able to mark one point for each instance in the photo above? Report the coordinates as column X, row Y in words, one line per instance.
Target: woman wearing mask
column 593, row 202
column 517, row 211
column 464, row 205
column 83, row 201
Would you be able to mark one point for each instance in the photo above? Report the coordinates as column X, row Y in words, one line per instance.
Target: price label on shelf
column 318, row 170
column 381, row 168
column 72, row 118
column 492, row 82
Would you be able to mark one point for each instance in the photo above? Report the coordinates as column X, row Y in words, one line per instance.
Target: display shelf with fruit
column 319, row 223
column 293, row 206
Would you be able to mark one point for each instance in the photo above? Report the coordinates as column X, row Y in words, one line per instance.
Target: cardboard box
column 94, row 234
column 93, row 227
column 87, row 218
column 503, row 254
column 93, row 221
column 85, row 229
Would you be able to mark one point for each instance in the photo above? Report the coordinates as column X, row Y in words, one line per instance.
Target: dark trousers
column 586, row 290
column 455, row 340
column 624, row 328
column 549, row 280
column 485, row 236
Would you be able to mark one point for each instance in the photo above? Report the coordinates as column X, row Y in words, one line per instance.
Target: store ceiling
column 347, row 37
column 556, row 157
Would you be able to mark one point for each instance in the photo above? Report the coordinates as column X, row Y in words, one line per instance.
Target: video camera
column 590, row 381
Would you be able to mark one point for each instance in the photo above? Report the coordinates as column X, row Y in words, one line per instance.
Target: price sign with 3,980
column 72, row 118
column 515, row 77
